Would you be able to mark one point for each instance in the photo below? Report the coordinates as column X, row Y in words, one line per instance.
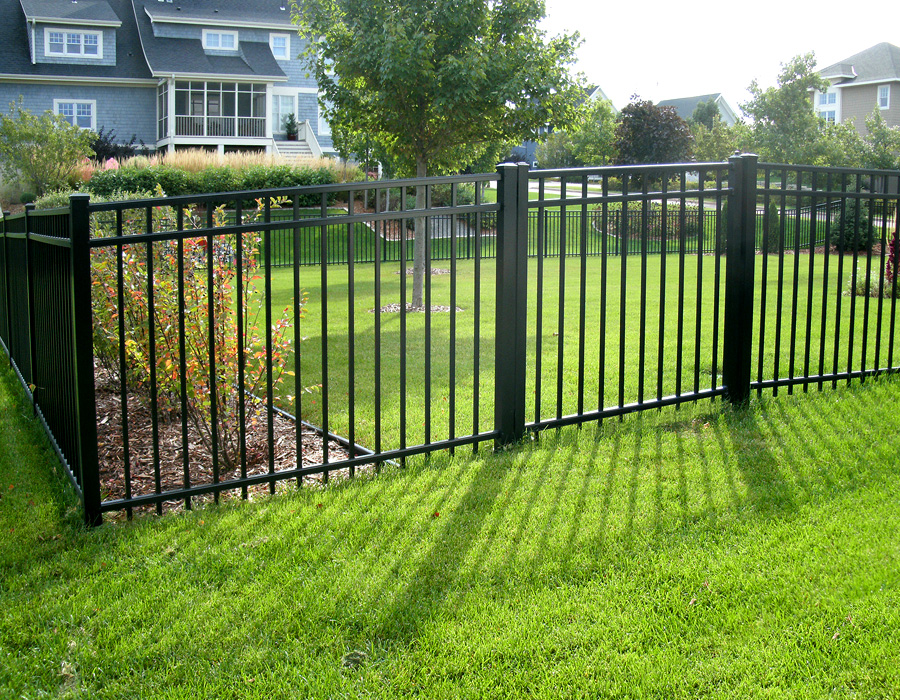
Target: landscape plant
column 648, row 133
column 40, row 151
column 186, row 300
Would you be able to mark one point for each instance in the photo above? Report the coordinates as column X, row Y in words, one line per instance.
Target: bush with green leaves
column 853, row 229
column 206, row 310
column 41, row 151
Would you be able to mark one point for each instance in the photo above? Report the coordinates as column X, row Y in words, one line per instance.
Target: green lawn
column 703, row 552
column 559, row 381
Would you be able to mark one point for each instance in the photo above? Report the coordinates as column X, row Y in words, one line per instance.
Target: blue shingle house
column 214, row 74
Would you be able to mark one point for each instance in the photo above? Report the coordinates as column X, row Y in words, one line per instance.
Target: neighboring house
column 860, row 84
column 527, row 151
column 218, row 75
column 685, row 106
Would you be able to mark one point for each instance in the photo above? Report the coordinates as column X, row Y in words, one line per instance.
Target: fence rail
column 182, row 347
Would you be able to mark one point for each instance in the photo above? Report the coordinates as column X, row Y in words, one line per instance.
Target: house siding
column 858, row 102
column 127, row 110
column 40, row 54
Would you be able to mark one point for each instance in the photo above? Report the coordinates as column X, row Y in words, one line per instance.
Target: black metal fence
column 172, row 354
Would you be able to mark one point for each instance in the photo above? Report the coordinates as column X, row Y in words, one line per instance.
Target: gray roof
column 880, row 62
column 685, row 106
column 15, row 55
column 186, row 56
column 63, row 11
column 237, row 12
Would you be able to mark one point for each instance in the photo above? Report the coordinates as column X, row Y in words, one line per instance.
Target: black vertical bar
column 298, row 338
column 151, row 341
column 795, row 286
column 182, row 360
column 512, row 251
column 539, row 300
column 323, row 264
column 763, row 287
column 895, row 282
column 739, row 271
column 476, row 346
column 351, row 334
column 379, row 227
column 428, row 225
column 779, row 301
column 623, row 278
column 453, row 254
column 826, row 257
column 83, row 346
column 123, row 365
column 682, row 245
column 881, row 266
column 8, row 309
column 561, row 320
column 854, row 276
column 582, row 293
column 645, row 242
column 241, row 304
column 717, row 275
column 604, row 268
column 211, row 341
column 811, row 243
column 840, row 276
column 29, row 278
column 270, row 393
column 403, row 309
column 663, row 233
column 698, row 315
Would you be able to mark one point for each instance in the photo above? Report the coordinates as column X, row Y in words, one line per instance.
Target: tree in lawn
column 648, row 133
column 435, row 83
column 706, row 113
column 785, row 127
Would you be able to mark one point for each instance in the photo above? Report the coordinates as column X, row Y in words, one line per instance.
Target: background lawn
column 702, row 552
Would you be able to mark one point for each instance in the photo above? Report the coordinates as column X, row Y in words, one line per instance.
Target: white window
column 280, row 45
column 827, row 98
column 61, row 42
column 324, row 126
column 282, row 106
column 828, row 115
column 220, row 41
column 81, row 113
column 884, row 96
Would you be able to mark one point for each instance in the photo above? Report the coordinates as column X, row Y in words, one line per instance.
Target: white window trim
column 219, row 33
column 878, row 97
column 92, row 103
column 287, row 48
column 282, row 92
column 65, row 32
column 324, row 126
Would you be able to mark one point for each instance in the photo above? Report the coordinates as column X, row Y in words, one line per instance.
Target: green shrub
column 27, row 197
column 853, row 229
column 772, row 230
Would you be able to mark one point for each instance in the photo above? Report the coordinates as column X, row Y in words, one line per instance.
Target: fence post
column 83, row 344
column 740, row 267
column 7, row 311
column 29, row 296
column 512, row 280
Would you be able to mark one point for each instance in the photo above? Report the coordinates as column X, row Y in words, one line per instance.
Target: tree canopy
column 785, row 127
column 648, row 133
column 436, row 82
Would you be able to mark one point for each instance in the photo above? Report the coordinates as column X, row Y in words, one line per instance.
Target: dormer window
column 80, row 44
column 217, row 40
column 280, row 45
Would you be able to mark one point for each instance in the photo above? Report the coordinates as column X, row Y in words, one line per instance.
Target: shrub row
column 224, row 178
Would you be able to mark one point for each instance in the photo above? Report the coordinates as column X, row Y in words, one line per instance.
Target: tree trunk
column 419, row 243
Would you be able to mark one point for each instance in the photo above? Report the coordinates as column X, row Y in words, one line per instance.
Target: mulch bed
column 434, row 271
column 410, row 309
column 111, row 450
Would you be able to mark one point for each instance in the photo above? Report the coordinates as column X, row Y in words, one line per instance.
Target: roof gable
column 253, row 13
column 879, row 62
column 94, row 12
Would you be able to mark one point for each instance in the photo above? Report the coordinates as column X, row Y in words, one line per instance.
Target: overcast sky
column 662, row 50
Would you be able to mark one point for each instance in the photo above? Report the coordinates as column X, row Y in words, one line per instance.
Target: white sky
column 679, row 48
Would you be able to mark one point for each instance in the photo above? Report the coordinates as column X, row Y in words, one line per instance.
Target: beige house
column 860, row 84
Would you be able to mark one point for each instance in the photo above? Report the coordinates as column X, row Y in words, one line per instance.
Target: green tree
column 648, row 133
column 556, row 151
column 881, row 145
column 716, row 144
column 707, row 114
column 41, row 151
column 434, row 82
column 785, row 127
column 594, row 133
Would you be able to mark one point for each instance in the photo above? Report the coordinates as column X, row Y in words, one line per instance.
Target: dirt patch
column 169, row 450
column 434, row 271
column 410, row 309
